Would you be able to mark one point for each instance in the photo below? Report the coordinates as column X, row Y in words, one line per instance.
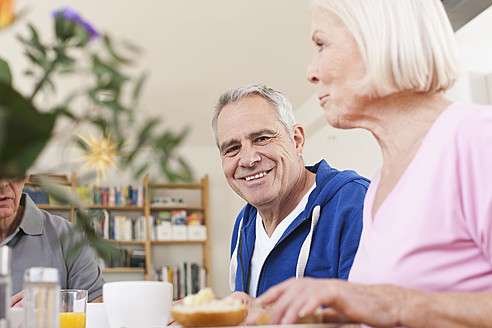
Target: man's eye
column 231, row 150
column 262, row 139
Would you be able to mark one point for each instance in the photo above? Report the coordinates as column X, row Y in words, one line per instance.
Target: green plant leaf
column 63, row 110
column 100, row 123
column 48, row 84
column 132, row 47
column 26, row 132
column 168, row 140
column 144, row 137
column 141, row 171
column 81, row 35
column 33, row 42
column 186, row 171
column 146, row 131
column 29, row 72
column 138, row 86
column 38, row 59
column 65, row 60
column 5, row 74
column 113, row 53
column 108, row 76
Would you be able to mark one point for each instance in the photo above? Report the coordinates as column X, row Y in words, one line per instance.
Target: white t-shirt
column 265, row 244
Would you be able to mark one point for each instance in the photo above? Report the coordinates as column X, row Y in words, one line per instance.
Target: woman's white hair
column 405, row 44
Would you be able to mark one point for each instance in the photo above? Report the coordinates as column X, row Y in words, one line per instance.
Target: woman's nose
column 312, row 72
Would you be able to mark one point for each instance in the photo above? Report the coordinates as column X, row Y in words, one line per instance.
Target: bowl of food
column 205, row 310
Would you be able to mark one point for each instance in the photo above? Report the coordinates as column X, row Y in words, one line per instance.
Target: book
column 182, row 280
column 188, row 277
column 195, row 278
column 140, row 228
column 175, row 283
column 194, row 218
column 137, row 258
column 179, row 217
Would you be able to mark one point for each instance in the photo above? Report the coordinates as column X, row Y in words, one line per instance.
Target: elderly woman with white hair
column 425, row 255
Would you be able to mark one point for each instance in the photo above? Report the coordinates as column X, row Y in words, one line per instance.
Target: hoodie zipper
column 266, row 259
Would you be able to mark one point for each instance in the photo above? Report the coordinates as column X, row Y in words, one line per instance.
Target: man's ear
column 299, row 138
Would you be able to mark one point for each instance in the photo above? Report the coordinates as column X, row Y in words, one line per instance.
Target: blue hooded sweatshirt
column 321, row 242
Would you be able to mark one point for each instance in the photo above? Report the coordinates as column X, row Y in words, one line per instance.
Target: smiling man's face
column 10, row 196
column 260, row 161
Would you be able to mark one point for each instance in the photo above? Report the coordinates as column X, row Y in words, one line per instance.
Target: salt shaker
column 41, row 298
column 5, row 286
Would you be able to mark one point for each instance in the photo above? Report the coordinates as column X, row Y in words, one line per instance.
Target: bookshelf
column 194, row 199
column 174, row 227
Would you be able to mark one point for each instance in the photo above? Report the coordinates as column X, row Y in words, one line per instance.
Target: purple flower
column 72, row 15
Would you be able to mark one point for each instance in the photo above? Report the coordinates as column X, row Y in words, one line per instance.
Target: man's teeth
column 259, row 175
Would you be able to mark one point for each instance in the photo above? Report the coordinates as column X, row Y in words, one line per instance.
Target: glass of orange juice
column 73, row 305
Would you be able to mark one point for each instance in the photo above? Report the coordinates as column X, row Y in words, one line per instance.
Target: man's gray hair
column 278, row 100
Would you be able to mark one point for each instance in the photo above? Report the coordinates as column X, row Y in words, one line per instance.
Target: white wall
column 343, row 149
column 475, row 47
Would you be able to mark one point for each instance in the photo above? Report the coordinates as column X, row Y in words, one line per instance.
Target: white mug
column 96, row 316
column 16, row 317
column 133, row 304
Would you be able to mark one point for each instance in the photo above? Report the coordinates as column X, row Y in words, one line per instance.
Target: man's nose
column 249, row 156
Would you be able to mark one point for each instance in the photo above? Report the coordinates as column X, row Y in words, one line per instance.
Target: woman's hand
column 343, row 301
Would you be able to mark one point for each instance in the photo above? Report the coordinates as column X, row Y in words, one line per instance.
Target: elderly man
column 34, row 238
column 299, row 221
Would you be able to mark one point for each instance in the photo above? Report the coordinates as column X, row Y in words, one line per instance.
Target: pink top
column 434, row 230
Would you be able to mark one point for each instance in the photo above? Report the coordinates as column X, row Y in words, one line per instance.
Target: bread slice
column 204, row 310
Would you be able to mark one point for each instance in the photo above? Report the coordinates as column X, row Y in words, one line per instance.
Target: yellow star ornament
column 100, row 154
column 7, row 15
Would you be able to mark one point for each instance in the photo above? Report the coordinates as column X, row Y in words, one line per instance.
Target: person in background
column 299, row 220
column 425, row 256
column 35, row 238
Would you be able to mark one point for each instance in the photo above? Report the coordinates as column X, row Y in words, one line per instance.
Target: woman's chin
column 333, row 120
column 340, row 119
